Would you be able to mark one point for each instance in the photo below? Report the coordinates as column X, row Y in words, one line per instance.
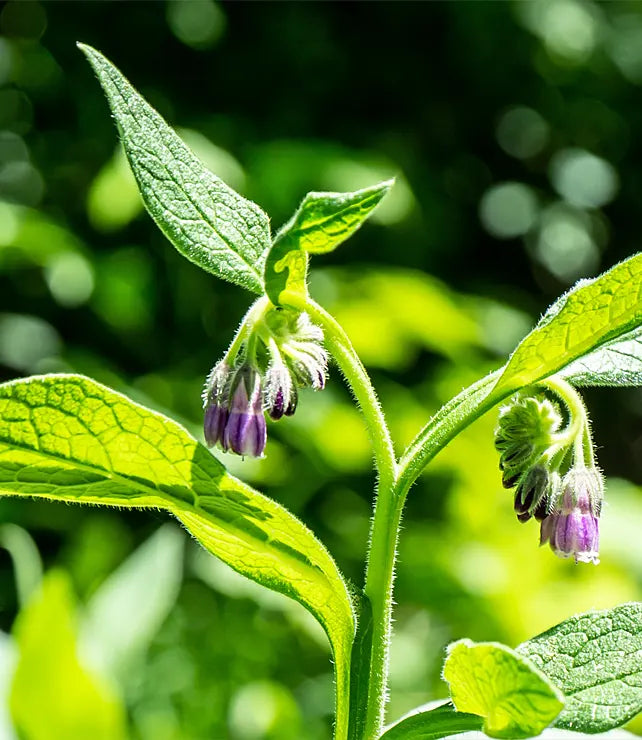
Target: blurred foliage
column 514, row 131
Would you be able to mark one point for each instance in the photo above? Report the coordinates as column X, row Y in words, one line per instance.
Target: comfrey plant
column 68, row 438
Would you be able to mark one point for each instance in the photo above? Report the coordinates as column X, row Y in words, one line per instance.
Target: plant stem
column 341, row 349
column 385, row 522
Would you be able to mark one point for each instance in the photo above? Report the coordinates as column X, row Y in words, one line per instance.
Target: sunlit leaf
column 590, row 315
column 53, row 694
column 205, row 220
column 596, row 659
column 67, row 438
column 515, row 699
column 321, row 223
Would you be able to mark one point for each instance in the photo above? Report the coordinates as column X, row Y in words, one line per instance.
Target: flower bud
column 245, row 432
column 572, row 526
column 280, row 397
column 234, row 410
column 530, row 492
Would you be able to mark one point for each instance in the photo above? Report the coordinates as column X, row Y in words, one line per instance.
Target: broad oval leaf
column 442, row 721
column 592, row 314
column 320, row 224
column 68, row 438
column 514, row 697
column 596, row 659
column 207, row 221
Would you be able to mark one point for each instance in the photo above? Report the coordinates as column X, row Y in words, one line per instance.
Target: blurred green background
column 515, row 132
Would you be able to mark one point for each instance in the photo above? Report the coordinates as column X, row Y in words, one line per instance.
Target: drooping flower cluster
column 545, row 465
column 281, row 350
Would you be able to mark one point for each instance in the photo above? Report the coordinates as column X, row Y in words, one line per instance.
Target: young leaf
column 53, row 694
column 596, row 659
column 515, row 699
column 68, row 438
column 439, row 722
column 208, row 222
column 320, row 224
column 618, row 362
column 592, row 314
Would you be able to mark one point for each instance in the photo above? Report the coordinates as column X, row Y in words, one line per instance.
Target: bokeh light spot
column 25, row 341
column 508, row 210
column 583, row 179
column 197, row 23
column 568, row 28
column 70, row 278
column 522, row 132
column 625, row 46
column 565, row 245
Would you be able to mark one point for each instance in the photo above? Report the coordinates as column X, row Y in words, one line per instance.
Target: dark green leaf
column 596, row 659
column 208, row 222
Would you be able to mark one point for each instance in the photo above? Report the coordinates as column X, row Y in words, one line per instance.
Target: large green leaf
column 68, row 438
column 320, row 224
column 205, row 220
column 515, row 699
column 596, row 659
column 591, row 315
column 53, row 695
column 436, row 723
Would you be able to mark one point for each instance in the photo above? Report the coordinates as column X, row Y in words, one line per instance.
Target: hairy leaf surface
column 68, row 438
column 515, row 699
column 618, row 362
column 208, row 222
column 596, row 659
column 591, row 315
column 321, row 223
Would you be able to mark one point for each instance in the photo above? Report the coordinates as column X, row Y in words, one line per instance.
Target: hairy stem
column 368, row 714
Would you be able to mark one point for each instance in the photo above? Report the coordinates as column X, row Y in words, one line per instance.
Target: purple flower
column 245, row 432
column 234, row 413
column 214, row 425
column 572, row 526
column 280, row 395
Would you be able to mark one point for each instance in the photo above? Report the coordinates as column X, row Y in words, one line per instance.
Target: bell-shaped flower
column 572, row 526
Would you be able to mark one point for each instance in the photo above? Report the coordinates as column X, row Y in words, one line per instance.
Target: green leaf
column 437, row 723
column 321, row 223
column 596, row 659
column 53, row 694
column 587, row 318
column 618, row 362
column 68, row 438
column 514, row 697
column 208, row 222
